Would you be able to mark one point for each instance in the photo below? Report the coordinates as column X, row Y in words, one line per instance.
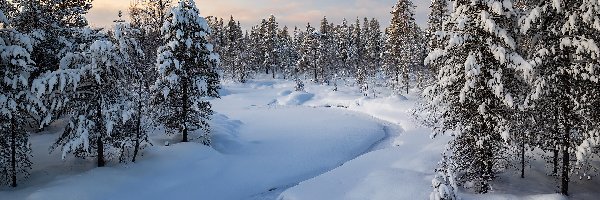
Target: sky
column 288, row 12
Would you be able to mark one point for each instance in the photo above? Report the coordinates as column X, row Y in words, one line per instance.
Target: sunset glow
column 288, row 12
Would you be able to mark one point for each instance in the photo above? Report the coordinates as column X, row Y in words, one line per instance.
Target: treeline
column 514, row 77
column 110, row 86
column 326, row 53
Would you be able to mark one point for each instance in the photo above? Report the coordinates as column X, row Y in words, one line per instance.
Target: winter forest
column 492, row 99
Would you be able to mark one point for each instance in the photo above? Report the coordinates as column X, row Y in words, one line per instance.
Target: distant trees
column 324, row 54
column 399, row 55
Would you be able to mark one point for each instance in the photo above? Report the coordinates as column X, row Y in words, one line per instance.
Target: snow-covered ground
column 260, row 149
column 271, row 142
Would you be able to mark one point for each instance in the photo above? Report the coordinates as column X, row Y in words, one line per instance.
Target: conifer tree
column 96, row 74
column 477, row 89
column 400, row 38
column 271, row 45
column 309, row 53
column 187, row 74
column 566, row 68
column 17, row 102
column 343, row 39
column 437, row 16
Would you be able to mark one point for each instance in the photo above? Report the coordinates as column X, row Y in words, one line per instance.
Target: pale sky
column 288, row 12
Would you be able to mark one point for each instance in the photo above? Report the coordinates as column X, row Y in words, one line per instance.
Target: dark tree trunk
column 407, row 82
column 101, row 162
column 100, row 143
column 13, row 154
column 555, row 169
column 138, row 128
column 523, row 157
column 564, row 183
column 185, row 110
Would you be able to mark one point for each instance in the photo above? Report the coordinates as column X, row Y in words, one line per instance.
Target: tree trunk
column 99, row 141
column 13, row 154
column 407, row 82
column 139, row 130
column 555, row 169
column 523, row 157
column 185, row 110
column 101, row 162
column 564, row 184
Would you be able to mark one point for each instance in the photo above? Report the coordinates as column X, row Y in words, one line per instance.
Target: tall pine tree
column 187, row 74
column 477, row 89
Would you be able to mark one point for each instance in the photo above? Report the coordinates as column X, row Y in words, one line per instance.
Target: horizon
column 288, row 13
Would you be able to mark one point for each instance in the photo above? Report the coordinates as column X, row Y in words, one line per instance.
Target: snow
column 270, row 142
column 294, row 98
column 259, row 150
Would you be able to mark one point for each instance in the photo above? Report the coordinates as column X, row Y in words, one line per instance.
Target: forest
column 508, row 83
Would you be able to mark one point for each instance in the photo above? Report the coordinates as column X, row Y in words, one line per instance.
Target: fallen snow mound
column 294, row 98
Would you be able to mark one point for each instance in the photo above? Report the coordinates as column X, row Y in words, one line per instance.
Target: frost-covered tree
column 324, row 54
column 343, row 39
column 270, row 45
column 232, row 53
column 54, row 24
column 400, row 39
column 356, row 56
column 91, row 81
column 438, row 14
column 477, row 89
column 435, row 23
column 566, row 67
column 187, row 74
column 56, row 20
column 288, row 53
column 17, row 103
column 373, row 50
column 131, row 134
column 309, row 53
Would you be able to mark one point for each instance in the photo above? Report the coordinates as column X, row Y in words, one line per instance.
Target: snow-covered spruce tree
column 53, row 23
column 254, row 45
column 566, row 66
column 435, row 24
column 373, row 50
column 232, row 51
column 342, row 36
column 309, row 53
column 324, row 55
column 90, row 81
column 435, row 30
column 56, row 20
column 356, row 56
column 271, row 45
column 288, row 51
column 131, row 135
column 422, row 74
column 400, row 35
column 187, row 74
column 16, row 103
column 148, row 16
column 477, row 89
